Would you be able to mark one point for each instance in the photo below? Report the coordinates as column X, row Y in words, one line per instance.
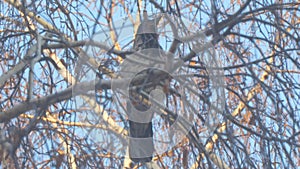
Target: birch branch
column 241, row 105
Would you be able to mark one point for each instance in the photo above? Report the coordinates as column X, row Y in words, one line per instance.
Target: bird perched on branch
column 145, row 38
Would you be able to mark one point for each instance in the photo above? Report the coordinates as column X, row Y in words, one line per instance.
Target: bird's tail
column 141, row 145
